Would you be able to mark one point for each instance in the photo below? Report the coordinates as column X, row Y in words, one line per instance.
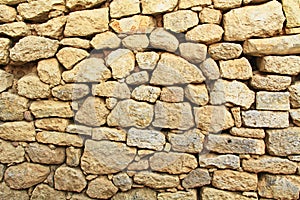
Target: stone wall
column 149, row 99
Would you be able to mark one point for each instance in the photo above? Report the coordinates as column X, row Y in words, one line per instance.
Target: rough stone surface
column 191, row 3
column 17, row 131
column 43, row 191
column 52, row 28
column 122, row 181
column 12, row 106
column 59, row 138
column 189, row 195
column 106, row 157
column 6, row 80
column 197, row 94
column 270, row 82
column 272, row 101
column 142, row 193
column 75, row 42
column 79, row 129
column 146, row 93
column 8, row 14
column 226, row 161
column 276, row 64
column 50, row 108
column 101, row 188
column 112, row 89
column 36, row 11
column 154, row 7
column 80, row 5
column 10, row 153
column 49, row 71
column 215, row 194
column 210, row 16
column 120, row 8
column 196, row 178
column 236, row 69
column 162, row 39
column 32, row 87
column 4, row 52
column 113, row 134
column 194, row 53
column 225, row 51
column 224, row 5
column 291, row 10
column 172, row 94
column 205, row 33
column 69, row 56
column 7, row 193
column 73, row 156
column 248, row 132
column 106, row 40
column 210, row 69
column 295, row 115
column 15, row 29
column 136, row 42
column 70, row 92
column 173, row 21
column 138, row 78
column 295, row 95
column 147, row 60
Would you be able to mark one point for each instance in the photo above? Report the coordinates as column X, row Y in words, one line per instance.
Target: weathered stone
column 138, row 78
column 162, row 39
column 224, row 5
column 52, row 28
column 49, row 71
column 234, row 92
column 17, row 131
column 210, row 16
column 136, row 42
column 230, row 144
column 196, row 178
column 236, row 114
column 226, row 161
column 43, row 154
column 69, row 56
column 59, row 138
column 32, row 87
column 210, row 69
column 295, row 95
column 183, row 71
column 141, row 193
column 121, row 57
column 120, row 8
column 73, row 156
column 225, row 51
column 205, row 33
column 89, row 70
column 272, row 101
column 279, row 186
column 281, row 45
column 154, row 7
column 50, row 108
column 195, row 53
column 234, row 180
column 214, row 194
column 197, row 94
column 134, row 24
column 25, row 175
column 44, row 192
column 81, row 5
column 87, row 22
column 80, row 196
column 173, row 21
column 295, row 115
column 122, row 181
column 105, row 133
column 101, row 188
column 131, row 113
column 265, row 119
column 270, row 164
column 248, row 132
column 4, row 52
column 11, row 194
column 106, row 40
column 236, row 69
column 276, row 64
column 283, row 142
column 148, row 139
column 29, row 49
column 147, row 60
column 173, row 115
column 36, row 11
column 8, row 14
column 12, row 106
column 189, row 195
column 15, row 29
column 70, row 92
column 291, row 10
column 270, row 82
column 292, row 31
column 243, row 23
column 79, row 129
column 189, row 142
column 146, row 93
column 75, row 42
column 155, row 180
column 6, row 80
column 106, row 157
column 140, row 165
column 173, row 163
column 10, row 154
column 183, row 4
column 213, row 118
column 172, row 94
column 111, row 89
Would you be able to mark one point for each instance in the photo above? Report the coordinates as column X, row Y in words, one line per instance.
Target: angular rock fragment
column 52, row 28
column 146, row 93
column 69, row 92
column 32, row 87
column 226, row 161
column 138, row 78
column 189, row 195
column 162, row 39
column 8, row 14
column 194, row 53
column 225, row 51
column 277, row 64
column 101, row 188
column 205, row 33
column 59, row 138
column 4, row 50
column 69, row 56
column 49, row 71
column 47, row 192
column 106, row 40
column 81, row 5
column 112, row 89
column 248, row 132
column 36, row 11
column 295, row 95
column 210, row 16
column 12, row 106
column 272, row 101
column 18, row 131
column 215, row 194
column 183, row 4
column 10, row 154
column 270, row 82
column 224, row 5
column 236, row 69
column 50, row 108
column 147, row 60
column 121, row 8
column 156, row 6
column 196, row 178
column 291, row 10
column 136, row 42
column 172, row 94
column 173, row 21
column 142, row 193
column 15, row 29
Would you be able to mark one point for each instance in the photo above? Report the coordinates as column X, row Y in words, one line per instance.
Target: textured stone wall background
column 149, row 99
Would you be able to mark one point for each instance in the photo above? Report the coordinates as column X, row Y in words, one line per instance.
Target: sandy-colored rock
column 183, row 4
column 210, row 69
column 283, row 142
column 89, row 70
column 248, row 132
column 25, row 175
column 189, row 195
column 249, row 21
column 87, row 22
column 106, row 40
column 11, row 2
column 49, row 71
column 194, row 53
column 225, row 51
column 155, row 180
column 73, row 156
column 11, row 194
column 270, row 82
column 29, row 49
column 173, row 115
column 295, row 95
column 140, row 165
column 8, row 14
column 43, row 154
column 281, row 45
column 236, row 145
column 210, row 16
column 52, row 28
column 236, row 114
column 138, row 78
column 269, row 164
column 69, row 92
column 234, row 180
column 172, row 94
column 265, row 119
column 197, row 94
column 205, row 33
column 234, row 92
column 224, row 5
column 295, row 115
column 59, row 138
column 121, row 8
column 10, row 154
column 147, row 60
column 291, row 10
column 156, row 6
column 6, row 80
column 36, row 11
column 213, row 118
column 173, row 21
column 79, row 129
column 75, row 42
column 183, row 71
column 142, row 193
column 131, row 113
column 146, row 93
column 226, row 161
column 12, row 106
column 196, row 178
column 111, row 89
column 52, row 124
column 215, row 194
column 17, row 131
column 162, row 39
column 15, row 29
column 106, row 157
column 105, row 133
column 277, row 64
column 136, row 42
column 4, row 52
column 172, row 162
column 46, row 192
column 82, row 4
column 122, row 181
column 121, row 57
column 32, row 87
column 134, row 24
column 292, row 31
column 80, row 196
column 272, row 101
column 50, row 108
column 279, row 186
column 69, row 56
column 101, row 188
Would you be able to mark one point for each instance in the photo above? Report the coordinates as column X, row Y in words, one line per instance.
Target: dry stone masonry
column 149, row 99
